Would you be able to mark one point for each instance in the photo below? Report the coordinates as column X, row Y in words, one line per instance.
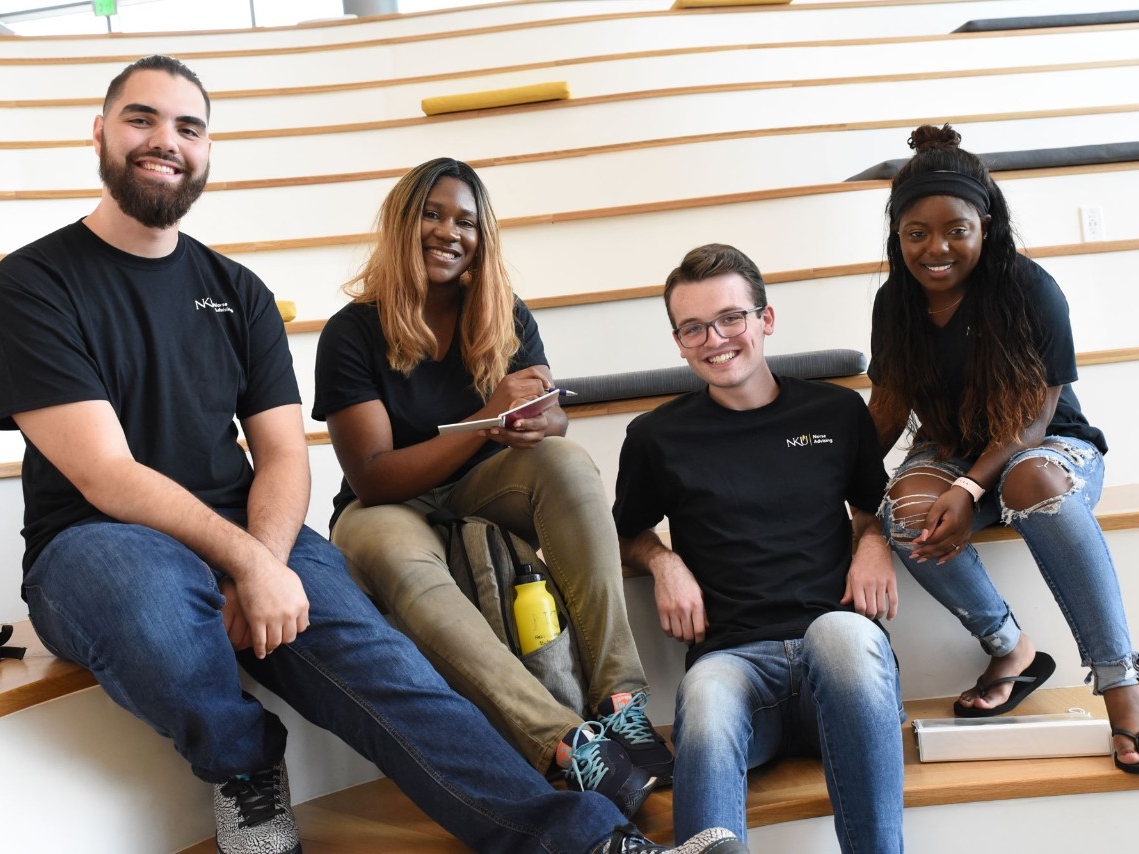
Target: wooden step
column 376, row 816
column 39, row 677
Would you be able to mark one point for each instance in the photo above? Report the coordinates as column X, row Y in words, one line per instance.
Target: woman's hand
column 514, row 390
column 522, row 433
column 517, row 388
column 948, row 527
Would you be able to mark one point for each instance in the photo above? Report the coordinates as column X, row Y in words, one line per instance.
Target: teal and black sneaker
column 623, row 719
column 595, row 763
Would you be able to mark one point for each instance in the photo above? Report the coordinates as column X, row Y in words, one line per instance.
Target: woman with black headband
column 971, row 351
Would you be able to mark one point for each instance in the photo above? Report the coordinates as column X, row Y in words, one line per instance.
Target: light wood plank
column 39, row 677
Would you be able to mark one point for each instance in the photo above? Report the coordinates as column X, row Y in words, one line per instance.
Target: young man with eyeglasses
column 785, row 653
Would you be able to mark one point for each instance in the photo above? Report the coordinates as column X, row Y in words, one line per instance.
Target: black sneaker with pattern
column 714, row 840
column 254, row 815
column 598, row 764
column 624, row 720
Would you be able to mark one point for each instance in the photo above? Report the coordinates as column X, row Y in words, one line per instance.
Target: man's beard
column 153, row 204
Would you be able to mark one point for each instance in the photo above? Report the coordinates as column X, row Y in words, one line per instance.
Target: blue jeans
column 834, row 693
column 140, row 611
column 1065, row 541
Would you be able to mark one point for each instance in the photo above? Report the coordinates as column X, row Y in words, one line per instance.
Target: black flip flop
column 1031, row 678
column 16, row 652
column 1122, row 766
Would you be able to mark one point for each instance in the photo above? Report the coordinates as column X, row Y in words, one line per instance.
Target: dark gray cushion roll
column 1034, row 158
column 1032, row 22
column 812, row 365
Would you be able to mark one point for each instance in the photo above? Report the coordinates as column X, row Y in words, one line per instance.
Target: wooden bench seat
column 376, row 816
column 39, row 677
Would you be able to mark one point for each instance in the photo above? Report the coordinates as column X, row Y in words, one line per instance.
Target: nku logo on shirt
column 805, row 440
column 209, row 303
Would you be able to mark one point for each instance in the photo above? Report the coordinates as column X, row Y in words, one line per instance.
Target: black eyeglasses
column 727, row 325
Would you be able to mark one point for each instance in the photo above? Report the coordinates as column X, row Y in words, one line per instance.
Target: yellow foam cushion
column 696, row 4
column 496, row 98
column 288, row 309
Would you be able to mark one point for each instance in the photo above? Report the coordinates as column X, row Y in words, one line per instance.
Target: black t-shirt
column 352, row 367
column 177, row 345
column 754, row 501
column 1054, row 343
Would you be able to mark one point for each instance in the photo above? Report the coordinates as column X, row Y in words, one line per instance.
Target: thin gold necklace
column 951, row 305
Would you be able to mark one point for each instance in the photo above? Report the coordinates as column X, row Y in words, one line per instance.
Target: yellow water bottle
column 535, row 613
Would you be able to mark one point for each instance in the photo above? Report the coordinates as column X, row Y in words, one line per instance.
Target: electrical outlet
column 1091, row 223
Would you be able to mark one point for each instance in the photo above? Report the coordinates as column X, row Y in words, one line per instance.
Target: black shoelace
column 256, row 797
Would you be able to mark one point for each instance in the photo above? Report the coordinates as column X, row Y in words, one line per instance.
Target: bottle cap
column 529, row 579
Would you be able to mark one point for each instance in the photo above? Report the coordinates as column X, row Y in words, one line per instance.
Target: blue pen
column 562, row 392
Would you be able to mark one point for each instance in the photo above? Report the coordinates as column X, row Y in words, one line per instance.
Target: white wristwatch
column 971, row 486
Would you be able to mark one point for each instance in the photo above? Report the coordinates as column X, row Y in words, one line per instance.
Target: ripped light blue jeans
column 1065, row 540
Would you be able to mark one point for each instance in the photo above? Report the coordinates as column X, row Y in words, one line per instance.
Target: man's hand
column 236, row 626
column 871, row 583
column 85, row 441
column 680, row 603
column 272, row 603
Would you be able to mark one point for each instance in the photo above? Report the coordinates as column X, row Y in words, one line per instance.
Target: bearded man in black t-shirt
column 160, row 559
column 754, row 474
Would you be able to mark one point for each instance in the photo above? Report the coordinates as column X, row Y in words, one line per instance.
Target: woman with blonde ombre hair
column 395, row 279
column 434, row 336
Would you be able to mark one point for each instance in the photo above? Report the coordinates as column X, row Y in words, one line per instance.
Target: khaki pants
column 550, row 495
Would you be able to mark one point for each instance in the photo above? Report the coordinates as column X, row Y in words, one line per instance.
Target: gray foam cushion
column 1034, row 158
column 811, row 365
column 1031, row 22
